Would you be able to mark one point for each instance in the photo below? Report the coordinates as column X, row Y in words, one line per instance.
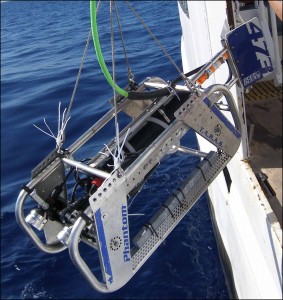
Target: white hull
column 249, row 230
column 250, row 233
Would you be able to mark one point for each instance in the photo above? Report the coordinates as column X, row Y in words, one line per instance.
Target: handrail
column 229, row 97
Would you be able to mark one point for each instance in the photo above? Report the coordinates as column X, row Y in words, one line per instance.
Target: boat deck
column 264, row 113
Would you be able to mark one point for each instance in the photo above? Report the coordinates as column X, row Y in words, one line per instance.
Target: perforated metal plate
column 192, row 189
column 110, row 209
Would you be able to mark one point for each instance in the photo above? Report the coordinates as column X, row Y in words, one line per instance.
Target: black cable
column 148, row 95
column 79, row 182
column 58, row 189
column 230, row 72
column 190, row 73
column 132, row 95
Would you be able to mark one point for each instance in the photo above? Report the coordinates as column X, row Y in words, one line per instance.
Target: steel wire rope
column 80, row 71
column 129, row 94
column 98, row 51
column 187, row 81
column 78, row 77
column 130, row 73
column 146, row 27
column 114, row 90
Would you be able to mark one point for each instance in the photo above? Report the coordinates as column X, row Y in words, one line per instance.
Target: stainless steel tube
column 85, row 168
column 50, row 249
column 76, row 257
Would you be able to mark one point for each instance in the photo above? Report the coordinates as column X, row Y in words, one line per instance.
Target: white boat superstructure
column 245, row 206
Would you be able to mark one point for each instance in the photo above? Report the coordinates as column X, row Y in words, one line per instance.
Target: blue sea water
column 41, row 48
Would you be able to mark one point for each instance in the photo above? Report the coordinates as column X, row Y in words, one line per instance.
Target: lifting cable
column 68, row 113
column 190, row 85
column 146, row 27
column 130, row 73
column 78, row 77
column 130, row 94
column 133, row 95
column 99, row 52
column 117, row 156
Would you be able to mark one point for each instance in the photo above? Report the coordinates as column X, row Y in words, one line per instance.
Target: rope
column 130, row 74
column 78, row 76
column 188, row 82
column 99, row 52
column 117, row 155
column 153, row 36
column 116, row 159
column 80, row 69
column 59, row 139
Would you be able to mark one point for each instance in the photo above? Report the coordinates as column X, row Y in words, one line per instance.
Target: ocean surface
column 42, row 43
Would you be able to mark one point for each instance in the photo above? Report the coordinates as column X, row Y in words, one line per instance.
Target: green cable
column 98, row 51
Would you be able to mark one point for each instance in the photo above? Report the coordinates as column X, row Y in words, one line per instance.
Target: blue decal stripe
column 103, row 245
column 223, row 119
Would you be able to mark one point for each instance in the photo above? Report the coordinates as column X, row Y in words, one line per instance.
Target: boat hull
column 248, row 232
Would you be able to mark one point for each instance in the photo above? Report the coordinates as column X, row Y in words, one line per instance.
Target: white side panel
column 251, row 234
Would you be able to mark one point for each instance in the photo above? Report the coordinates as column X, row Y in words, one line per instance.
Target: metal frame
column 124, row 181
